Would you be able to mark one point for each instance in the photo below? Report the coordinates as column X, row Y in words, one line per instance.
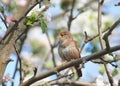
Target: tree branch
column 71, row 15
column 69, row 64
column 18, row 21
column 72, row 83
column 4, row 21
column 110, row 29
column 100, row 4
column 20, row 62
column 15, row 30
column 53, row 56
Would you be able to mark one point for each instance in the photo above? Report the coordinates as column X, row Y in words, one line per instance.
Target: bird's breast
column 67, row 51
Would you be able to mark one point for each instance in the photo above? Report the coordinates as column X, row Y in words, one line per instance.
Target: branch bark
column 72, row 83
column 108, row 33
column 69, row 64
column 100, row 4
column 11, row 35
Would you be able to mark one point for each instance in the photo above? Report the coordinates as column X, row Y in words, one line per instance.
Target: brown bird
column 68, row 49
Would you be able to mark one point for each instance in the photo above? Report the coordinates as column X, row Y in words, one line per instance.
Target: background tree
column 29, row 31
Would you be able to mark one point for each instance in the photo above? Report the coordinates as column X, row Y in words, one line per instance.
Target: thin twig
column 60, row 15
column 71, row 83
column 71, row 15
column 17, row 58
column 17, row 52
column 107, row 62
column 91, row 38
column 13, row 77
column 85, row 40
column 100, row 21
column 52, row 51
column 22, row 39
column 4, row 17
column 100, row 3
column 60, row 77
column 70, row 64
column 3, row 20
column 106, row 35
column 117, row 4
column 84, row 8
column 35, row 71
column 17, row 22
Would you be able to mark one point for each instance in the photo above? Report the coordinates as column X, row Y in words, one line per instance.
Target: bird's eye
column 61, row 34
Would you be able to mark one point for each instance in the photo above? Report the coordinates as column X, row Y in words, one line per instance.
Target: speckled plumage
column 68, row 49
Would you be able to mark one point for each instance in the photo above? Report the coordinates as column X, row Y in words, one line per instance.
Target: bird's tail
column 78, row 70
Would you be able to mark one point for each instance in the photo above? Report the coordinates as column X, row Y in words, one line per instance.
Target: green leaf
column 33, row 17
column 49, row 64
column 91, row 16
column 43, row 25
column 28, row 22
column 37, row 47
column 107, row 23
column 102, row 70
column 115, row 72
column 46, row 84
column 1, row 8
column 46, row 1
column 83, row 9
column 113, row 55
column 65, row 4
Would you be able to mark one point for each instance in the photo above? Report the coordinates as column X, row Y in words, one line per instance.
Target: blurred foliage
column 43, row 25
column 46, row 84
column 49, row 64
column 27, row 66
column 113, row 55
column 10, row 7
column 82, row 9
column 1, row 8
column 38, row 48
column 66, row 4
column 101, row 69
column 115, row 72
column 92, row 17
column 107, row 24
column 46, row 1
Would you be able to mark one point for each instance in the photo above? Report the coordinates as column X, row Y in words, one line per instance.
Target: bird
column 68, row 49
